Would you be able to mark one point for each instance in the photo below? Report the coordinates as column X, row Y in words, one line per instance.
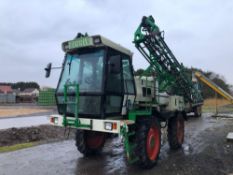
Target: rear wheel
column 176, row 131
column 89, row 142
column 198, row 111
column 148, row 140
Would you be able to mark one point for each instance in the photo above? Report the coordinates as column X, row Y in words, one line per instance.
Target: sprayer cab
column 103, row 72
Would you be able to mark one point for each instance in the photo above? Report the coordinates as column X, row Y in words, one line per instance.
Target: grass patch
column 221, row 109
column 211, row 102
column 223, row 106
column 17, row 147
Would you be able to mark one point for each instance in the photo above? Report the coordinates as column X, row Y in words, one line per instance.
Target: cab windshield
column 84, row 69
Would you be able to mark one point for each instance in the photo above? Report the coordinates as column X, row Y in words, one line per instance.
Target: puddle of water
column 187, row 149
column 23, row 122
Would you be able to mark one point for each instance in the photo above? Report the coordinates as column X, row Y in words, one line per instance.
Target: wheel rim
column 152, row 144
column 180, row 130
column 94, row 139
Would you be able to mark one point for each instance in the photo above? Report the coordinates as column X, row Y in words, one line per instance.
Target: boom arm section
column 149, row 40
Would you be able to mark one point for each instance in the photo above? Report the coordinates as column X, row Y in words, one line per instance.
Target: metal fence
column 7, row 98
column 47, row 97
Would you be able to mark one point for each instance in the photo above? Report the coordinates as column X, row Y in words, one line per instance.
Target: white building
column 30, row 92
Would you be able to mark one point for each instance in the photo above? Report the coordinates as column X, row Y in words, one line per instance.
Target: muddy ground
column 204, row 152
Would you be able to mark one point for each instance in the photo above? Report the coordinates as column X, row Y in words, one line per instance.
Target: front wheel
column 148, row 141
column 176, row 131
column 89, row 142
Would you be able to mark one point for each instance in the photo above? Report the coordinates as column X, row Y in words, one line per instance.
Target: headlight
column 108, row 126
column 54, row 120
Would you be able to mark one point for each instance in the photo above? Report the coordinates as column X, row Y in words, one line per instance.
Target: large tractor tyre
column 89, row 142
column 198, row 111
column 148, row 142
column 176, row 131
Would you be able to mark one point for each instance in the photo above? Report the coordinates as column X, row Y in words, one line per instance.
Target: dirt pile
column 30, row 134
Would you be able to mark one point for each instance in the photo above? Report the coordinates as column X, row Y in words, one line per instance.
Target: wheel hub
column 152, row 143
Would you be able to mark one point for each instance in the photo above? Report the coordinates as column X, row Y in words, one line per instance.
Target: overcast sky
column 200, row 33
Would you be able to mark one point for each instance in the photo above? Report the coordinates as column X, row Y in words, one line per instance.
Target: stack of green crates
column 47, row 97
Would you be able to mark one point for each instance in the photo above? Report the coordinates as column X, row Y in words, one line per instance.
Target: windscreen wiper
column 70, row 64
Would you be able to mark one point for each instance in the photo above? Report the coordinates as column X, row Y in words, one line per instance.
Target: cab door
column 114, row 85
column 129, row 85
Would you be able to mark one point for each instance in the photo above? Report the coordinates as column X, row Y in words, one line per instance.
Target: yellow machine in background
column 213, row 86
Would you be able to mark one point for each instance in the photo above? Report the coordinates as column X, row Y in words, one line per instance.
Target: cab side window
column 114, row 74
column 128, row 77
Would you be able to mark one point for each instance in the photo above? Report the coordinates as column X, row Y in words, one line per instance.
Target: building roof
column 5, row 89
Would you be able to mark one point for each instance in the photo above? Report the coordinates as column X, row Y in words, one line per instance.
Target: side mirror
column 114, row 64
column 48, row 70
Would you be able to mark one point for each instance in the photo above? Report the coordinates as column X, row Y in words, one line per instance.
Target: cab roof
column 93, row 41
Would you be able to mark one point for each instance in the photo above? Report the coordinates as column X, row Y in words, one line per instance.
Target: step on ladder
column 76, row 121
column 130, row 146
